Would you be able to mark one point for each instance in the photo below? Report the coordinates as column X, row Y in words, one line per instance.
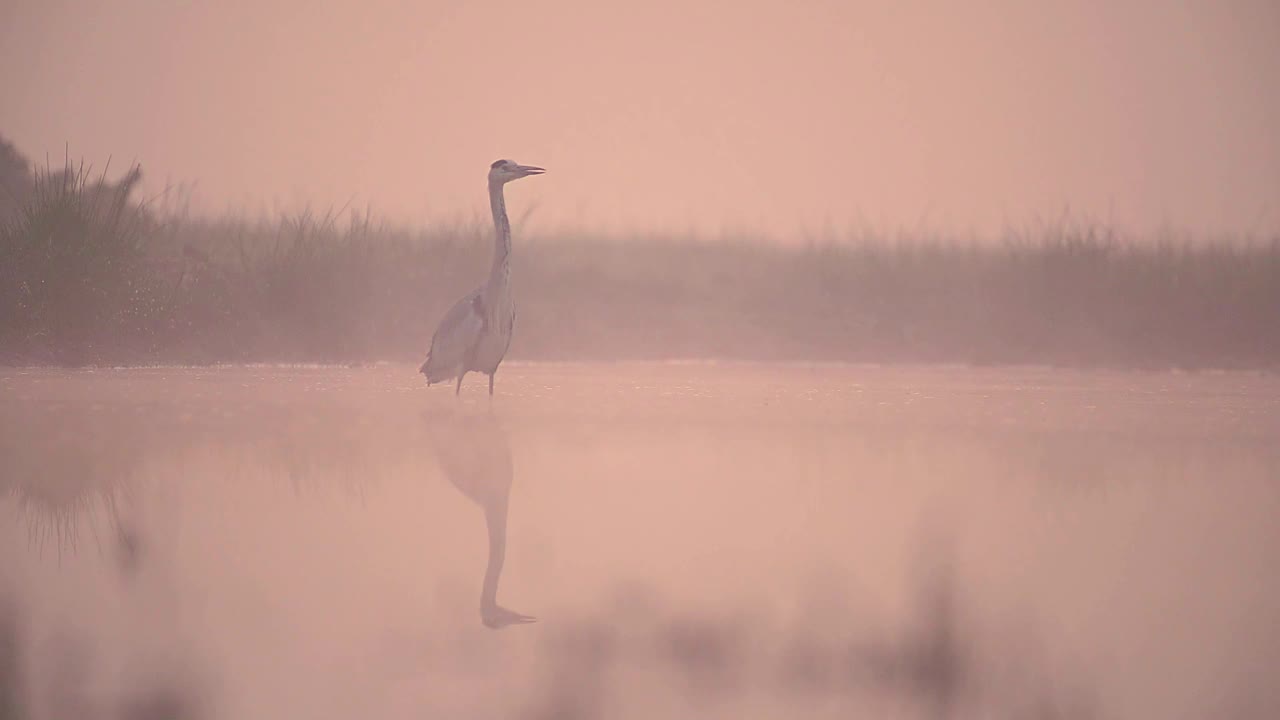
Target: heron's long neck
column 501, row 271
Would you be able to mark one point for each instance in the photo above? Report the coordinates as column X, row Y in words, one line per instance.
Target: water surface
column 719, row 540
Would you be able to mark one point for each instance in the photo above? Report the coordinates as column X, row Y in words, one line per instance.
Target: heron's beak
column 531, row 170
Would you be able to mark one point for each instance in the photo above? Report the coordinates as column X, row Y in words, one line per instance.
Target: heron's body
column 498, row 312
column 476, row 332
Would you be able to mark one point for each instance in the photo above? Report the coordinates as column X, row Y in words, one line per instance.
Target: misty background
column 1005, row 279
column 1083, row 185
column 766, row 118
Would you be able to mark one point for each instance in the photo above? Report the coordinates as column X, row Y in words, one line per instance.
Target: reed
column 88, row 275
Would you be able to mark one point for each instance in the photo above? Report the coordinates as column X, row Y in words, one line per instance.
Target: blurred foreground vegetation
column 91, row 274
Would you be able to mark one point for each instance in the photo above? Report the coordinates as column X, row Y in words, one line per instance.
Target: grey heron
column 476, row 332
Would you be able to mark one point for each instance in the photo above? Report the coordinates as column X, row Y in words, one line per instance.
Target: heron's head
column 504, row 171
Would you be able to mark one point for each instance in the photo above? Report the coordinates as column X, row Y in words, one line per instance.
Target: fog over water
column 770, row 437
column 736, row 540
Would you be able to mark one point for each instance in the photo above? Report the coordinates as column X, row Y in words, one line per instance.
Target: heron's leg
column 491, row 382
column 458, row 389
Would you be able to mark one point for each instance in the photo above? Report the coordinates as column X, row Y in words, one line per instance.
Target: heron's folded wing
column 458, row 333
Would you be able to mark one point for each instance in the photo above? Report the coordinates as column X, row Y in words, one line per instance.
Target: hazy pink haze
column 771, row 117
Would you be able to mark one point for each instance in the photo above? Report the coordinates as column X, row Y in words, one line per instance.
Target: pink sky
column 773, row 117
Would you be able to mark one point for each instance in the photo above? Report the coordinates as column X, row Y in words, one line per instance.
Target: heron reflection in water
column 475, row 454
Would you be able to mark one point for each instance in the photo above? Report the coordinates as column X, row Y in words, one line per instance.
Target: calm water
column 694, row 540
